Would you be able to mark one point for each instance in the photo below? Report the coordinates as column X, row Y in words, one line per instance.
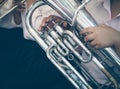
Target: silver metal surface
column 61, row 46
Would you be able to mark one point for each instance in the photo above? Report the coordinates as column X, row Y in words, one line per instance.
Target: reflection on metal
column 67, row 50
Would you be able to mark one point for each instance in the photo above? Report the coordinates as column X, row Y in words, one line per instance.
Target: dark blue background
column 24, row 65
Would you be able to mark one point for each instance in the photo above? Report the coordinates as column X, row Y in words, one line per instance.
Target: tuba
column 7, row 6
column 67, row 50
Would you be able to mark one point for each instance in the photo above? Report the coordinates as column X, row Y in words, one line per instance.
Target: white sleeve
column 8, row 20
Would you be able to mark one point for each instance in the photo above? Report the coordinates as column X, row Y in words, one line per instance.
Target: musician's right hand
column 17, row 12
column 21, row 6
column 101, row 36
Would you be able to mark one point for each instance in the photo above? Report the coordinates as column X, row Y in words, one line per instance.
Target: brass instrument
column 8, row 7
column 61, row 46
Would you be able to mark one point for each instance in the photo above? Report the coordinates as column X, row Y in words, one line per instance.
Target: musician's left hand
column 17, row 12
column 102, row 36
column 56, row 19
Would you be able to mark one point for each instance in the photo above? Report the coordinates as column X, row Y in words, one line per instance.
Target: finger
column 48, row 20
column 45, row 20
column 87, row 30
column 95, row 44
column 57, row 20
column 20, row 9
column 89, row 37
column 65, row 24
column 54, row 18
column 43, row 23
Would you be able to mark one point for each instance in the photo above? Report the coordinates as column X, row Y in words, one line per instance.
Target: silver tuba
column 61, row 46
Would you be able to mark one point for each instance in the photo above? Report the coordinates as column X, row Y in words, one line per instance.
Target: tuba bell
column 61, row 46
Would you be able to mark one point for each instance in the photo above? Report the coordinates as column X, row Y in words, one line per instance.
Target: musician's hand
column 102, row 36
column 21, row 6
column 48, row 19
column 17, row 12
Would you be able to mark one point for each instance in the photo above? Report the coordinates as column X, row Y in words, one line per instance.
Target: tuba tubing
column 65, row 66
column 79, row 17
column 60, row 44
